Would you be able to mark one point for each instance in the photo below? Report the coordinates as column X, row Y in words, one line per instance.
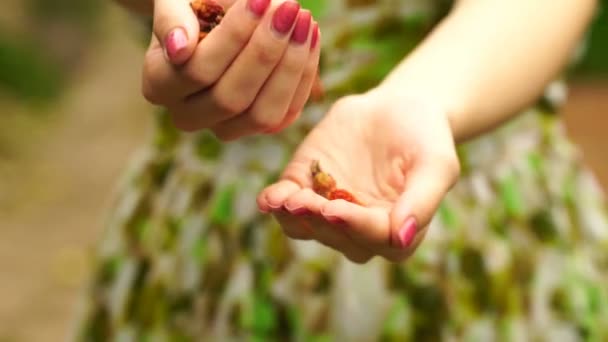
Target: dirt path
column 55, row 189
column 586, row 116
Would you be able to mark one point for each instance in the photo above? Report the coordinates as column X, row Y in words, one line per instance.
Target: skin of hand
column 490, row 59
column 251, row 74
column 397, row 154
column 394, row 147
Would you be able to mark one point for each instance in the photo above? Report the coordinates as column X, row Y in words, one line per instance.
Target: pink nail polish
column 258, row 7
column 407, row 232
column 335, row 220
column 300, row 32
column 285, row 16
column 299, row 211
column 315, row 36
column 176, row 42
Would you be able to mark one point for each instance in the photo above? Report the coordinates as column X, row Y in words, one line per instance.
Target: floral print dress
column 518, row 250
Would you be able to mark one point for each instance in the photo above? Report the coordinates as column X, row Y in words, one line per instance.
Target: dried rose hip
column 322, row 183
column 325, row 185
column 209, row 14
column 342, row 194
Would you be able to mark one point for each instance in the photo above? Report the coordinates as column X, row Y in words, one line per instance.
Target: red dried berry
column 209, row 14
column 322, row 183
column 342, row 194
column 325, row 185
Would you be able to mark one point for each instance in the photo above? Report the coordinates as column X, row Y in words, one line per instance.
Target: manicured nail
column 274, row 208
column 285, row 16
column 175, row 42
column 315, row 36
column 335, row 220
column 300, row 32
column 407, row 232
column 258, row 7
column 299, row 211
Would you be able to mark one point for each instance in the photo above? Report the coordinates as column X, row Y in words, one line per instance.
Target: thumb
column 425, row 188
column 176, row 28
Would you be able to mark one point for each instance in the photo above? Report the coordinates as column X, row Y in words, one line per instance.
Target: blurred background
column 72, row 115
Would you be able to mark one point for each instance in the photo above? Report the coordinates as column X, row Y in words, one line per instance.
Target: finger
column 164, row 84
column 425, row 188
column 274, row 196
column 400, row 254
column 228, row 3
column 273, row 101
column 294, row 227
column 176, row 28
column 239, row 85
column 331, row 235
column 225, row 42
column 369, row 227
column 366, row 226
column 305, row 86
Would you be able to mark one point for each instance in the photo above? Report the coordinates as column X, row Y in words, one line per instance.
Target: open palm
column 396, row 157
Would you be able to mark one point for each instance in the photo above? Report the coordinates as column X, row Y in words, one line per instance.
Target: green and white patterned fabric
column 517, row 252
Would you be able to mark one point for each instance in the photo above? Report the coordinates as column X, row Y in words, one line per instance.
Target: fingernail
column 175, row 42
column 258, row 7
column 299, row 211
column 315, row 36
column 407, row 232
column 335, row 220
column 273, row 208
column 300, row 32
column 285, row 16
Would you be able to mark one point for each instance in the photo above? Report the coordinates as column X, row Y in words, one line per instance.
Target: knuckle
column 266, row 54
column 232, row 105
column 263, row 122
column 238, row 34
column 199, row 74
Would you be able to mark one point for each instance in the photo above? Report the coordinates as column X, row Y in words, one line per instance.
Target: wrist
column 399, row 94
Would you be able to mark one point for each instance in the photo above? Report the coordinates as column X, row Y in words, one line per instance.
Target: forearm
column 490, row 58
column 144, row 7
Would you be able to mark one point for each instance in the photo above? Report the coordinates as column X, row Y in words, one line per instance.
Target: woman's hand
column 253, row 73
column 396, row 155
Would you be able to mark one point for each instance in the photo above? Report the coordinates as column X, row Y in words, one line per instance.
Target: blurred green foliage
column 595, row 62
column 26, row 72
column 37, row 59
column 82, row 13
